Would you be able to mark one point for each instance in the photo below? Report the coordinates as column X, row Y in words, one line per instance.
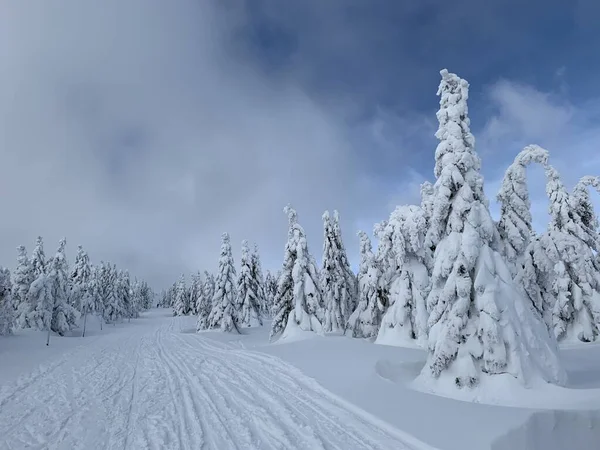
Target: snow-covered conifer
column 180, row 306
column 364, row 321
column 298, row 302
column 195, row 293
column 125, row 295
column 259, row 280
column 584, row 208
column 248, row 302
column 575, row 280
column 270, row 291
column 111, row 307
column 204, row 304
column 23, row 277
column 38, row 258
column 7, row 312
column 64, row 316
column 336, row 285
column 479, row 322
column 515, row 207
column 223, row 312
column 79, row 282
column 406, row 316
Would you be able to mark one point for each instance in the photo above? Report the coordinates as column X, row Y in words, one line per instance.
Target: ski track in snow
column 155, row 388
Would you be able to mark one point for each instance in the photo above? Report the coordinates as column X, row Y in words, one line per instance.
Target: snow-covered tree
column 204, row 303
column 574, row 292
column 40, row 295
column 298, row 302
column 405, row 318
column 223, row 312
column 112, row 309
column 38, row 258
column 584, row 208
column 22, row 279
column 125, row 295
column 515, row 227
column 364, row 321
column 80, row 285
column 195, row 293
column 336, row 285
column 270, row 287
column 248, row 303
column 180, row 306
column 350, row 283
column 146, row 296
column 79, row 282
column 7, row 312
column 259, row 280
column 479, row 322
column 64, row 316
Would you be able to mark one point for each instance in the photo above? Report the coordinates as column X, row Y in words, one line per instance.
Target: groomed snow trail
column 152, row 387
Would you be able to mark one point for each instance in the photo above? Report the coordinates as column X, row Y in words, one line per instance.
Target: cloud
column 522, row 115
column 129, row 128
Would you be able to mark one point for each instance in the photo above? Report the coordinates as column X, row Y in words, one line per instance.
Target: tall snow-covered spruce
column 223, row 313
column 480, row 324
column 298, row 303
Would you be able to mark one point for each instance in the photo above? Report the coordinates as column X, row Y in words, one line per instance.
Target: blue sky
column 142, row 129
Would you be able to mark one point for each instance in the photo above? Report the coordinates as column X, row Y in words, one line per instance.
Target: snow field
column 151, row 386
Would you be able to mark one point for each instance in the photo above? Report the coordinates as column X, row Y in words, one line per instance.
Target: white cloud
column 128, row 128
column 524, row 115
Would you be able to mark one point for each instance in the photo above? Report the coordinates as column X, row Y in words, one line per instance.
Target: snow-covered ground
column 154, row 383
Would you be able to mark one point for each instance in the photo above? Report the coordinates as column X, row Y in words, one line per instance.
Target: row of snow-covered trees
column 482, row 296
column 46, row 294
column 227, row 301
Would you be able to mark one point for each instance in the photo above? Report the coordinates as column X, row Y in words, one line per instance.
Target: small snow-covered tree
column 80, row 285
column 7, row 312
column 515, row 227
column 247, row 303
column 38, row 258
column 180, row 306
column 40, row 295
column 64, row 316
column 405, row 318
column 111, row 305
column 22, row 279
column 204, row 304
column 124, row 293
column 298, row 302
column 479, row 323
column 146, row 296
column 259, row 280
column 223, row 313
column 350, row 283
column 366, row 318
column 195, row 293
column 270, row 291
column 79, row 281
column 584, row 209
